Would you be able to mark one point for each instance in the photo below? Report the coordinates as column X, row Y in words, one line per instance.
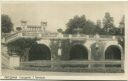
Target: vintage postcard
column 62, row 38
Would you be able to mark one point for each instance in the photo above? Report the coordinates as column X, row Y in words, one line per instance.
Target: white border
column 92, row 76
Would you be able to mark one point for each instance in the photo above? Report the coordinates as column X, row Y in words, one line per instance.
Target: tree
column 7, row 25
column 86, row 26
column 122, row 25
column 75, row 23
column 98, row 29
column 121, row 31
column 89, row 28
column 20, row 45
column 108, row 24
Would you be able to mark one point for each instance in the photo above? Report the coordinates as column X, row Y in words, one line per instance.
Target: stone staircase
column 16, row 35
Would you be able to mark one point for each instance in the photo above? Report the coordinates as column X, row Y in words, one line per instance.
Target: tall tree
column 121, row 28
column 76, row 22
column 89, row 28
column 98, row 27
column 86, row 26
column 6, row 24
column 122, row 25
column 108, row 24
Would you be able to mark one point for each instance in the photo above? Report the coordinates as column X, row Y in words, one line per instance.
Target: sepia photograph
column 59, row 38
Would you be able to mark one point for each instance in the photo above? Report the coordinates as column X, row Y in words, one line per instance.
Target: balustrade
column 12, row 36
column 68, row 63
column 62, row 36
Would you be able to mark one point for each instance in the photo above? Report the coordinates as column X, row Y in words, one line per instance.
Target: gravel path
column 9, row 72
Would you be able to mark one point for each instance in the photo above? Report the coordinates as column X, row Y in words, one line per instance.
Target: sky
column 57, row 14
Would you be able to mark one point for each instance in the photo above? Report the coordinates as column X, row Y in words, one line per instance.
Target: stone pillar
column 89, row 57
column 59, row 52
column 97, row 54
column 58, row 57
column 14, row 61
column 122, row 58
column 88, row 46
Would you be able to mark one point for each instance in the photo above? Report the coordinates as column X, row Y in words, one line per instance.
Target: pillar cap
column 14, row 54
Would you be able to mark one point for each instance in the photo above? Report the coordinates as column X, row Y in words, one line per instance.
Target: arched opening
column 78, row 52
column 113, row 53
column 39, row 52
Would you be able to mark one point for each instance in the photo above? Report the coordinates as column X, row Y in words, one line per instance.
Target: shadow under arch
column 78, row 52
column 113, row 52
column 39, row 52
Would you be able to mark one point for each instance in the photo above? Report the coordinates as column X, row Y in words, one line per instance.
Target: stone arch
column 113, row 52
column 45, row 42
column 115, row 49
column 78, row 52
column 39, row 52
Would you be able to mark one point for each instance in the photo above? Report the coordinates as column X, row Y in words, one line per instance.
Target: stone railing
column 59, row 36
column 12, row 37
column 74, row 66
column 74, row 62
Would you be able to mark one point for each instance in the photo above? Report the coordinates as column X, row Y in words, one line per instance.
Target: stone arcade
column 89, row 50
